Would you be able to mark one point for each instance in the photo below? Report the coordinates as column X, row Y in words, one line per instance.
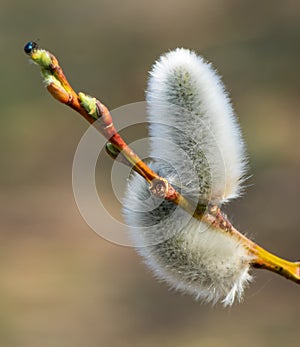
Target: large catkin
column 196, row 144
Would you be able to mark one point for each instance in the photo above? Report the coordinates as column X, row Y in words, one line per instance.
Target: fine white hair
column 196, row 145
column 186, row 94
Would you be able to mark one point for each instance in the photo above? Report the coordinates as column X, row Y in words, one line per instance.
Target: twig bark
column 93, row 110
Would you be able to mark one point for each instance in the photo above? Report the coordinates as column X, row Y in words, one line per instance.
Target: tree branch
column 92, row 110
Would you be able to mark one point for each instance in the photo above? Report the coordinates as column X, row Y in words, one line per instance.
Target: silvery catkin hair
column 196, row 144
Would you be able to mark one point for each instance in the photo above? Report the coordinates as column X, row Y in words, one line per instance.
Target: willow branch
column 98, row 114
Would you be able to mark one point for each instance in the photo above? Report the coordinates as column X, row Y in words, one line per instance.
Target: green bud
column 42, row 58
column 112, row 150
column 89, row 104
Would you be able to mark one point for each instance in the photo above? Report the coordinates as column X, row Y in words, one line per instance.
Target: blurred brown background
column 60, row 283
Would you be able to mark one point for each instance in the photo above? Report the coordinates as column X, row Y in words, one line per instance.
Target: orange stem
column 159, row 185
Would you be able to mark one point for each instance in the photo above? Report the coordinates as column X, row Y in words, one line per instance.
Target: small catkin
column 196, row 145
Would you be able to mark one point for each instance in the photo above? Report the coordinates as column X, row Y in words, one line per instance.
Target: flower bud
column 195, row 144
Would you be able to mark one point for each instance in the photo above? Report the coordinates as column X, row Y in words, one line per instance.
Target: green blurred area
column 61, row 284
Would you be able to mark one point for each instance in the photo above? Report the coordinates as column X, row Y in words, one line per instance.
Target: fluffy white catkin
column 196, row 144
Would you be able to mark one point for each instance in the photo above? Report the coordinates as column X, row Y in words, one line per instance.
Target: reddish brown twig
column 93, row 110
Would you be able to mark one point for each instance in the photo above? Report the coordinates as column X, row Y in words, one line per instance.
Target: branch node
column 159, row 187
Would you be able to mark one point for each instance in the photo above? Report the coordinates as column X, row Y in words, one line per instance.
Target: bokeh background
column 63, row 285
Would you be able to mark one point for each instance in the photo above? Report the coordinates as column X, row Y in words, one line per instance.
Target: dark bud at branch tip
column 30, row 47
